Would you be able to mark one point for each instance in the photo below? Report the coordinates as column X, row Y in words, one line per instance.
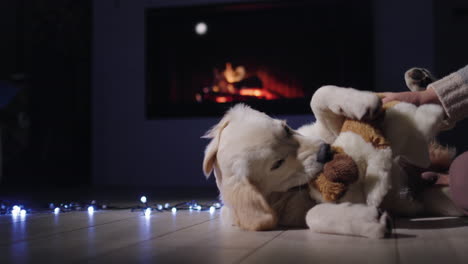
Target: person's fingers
column 388, row 97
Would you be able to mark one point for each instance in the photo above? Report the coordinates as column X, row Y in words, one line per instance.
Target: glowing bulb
column 217, row 205
column 212, row 209
column 174, row 210
column 147, row 212
column 143, row 199
column 16, row 210
column 198, row 207
column 23, row 212
column 57, row 210
column 166, row 205
column 160, row 207
column 90, row 209
column 201, row 28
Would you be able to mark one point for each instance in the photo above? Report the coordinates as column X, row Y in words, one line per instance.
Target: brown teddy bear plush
column 337, row 174
column 341, row 171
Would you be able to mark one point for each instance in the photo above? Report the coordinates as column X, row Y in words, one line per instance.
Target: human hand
column 408, row 97
column 417, row 98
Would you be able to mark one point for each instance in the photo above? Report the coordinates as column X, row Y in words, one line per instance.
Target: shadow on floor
column 431, row 223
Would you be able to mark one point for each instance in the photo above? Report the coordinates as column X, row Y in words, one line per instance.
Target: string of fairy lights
column 144, row 207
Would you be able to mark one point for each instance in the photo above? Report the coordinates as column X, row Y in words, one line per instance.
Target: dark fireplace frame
column 353, row 65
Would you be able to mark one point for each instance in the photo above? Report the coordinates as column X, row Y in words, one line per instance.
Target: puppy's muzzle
column 325, row 153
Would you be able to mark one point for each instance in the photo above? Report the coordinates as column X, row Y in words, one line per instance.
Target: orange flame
column 221, row 99
column 257, row 93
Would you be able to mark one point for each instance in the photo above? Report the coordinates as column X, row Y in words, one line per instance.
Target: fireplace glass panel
column 200, row 60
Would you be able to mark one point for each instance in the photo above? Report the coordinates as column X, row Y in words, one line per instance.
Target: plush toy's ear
column 341, row 169
column 210, row 152
column 249, row 208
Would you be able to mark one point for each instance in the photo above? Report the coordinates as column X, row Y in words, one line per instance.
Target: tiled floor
column 198, row 237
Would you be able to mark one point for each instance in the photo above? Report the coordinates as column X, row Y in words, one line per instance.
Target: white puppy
column 254, row 156
column 257, row 160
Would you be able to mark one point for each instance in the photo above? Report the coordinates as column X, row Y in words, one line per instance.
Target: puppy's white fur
column 254, row 156
column 257, row 159
column 347, row 219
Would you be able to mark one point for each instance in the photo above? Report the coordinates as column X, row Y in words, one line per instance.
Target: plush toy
column 337, row 174
column 342, row 170
column 368, row 155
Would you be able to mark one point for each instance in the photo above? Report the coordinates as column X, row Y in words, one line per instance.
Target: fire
column 260, row 93
column 234, row 75
column 236, row 85
column 221, row 99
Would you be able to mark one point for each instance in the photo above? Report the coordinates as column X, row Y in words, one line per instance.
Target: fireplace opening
column 201, row 60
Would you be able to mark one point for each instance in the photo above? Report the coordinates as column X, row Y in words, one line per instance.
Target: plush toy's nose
column 324, row 154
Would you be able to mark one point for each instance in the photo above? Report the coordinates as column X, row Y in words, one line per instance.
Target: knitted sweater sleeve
column 452, row 91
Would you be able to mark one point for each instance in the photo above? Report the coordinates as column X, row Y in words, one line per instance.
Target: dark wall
column 8, row 36
column 404, row 38
column 52, row 52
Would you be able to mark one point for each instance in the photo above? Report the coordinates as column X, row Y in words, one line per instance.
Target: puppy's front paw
column 347, row 102
column 360, row 105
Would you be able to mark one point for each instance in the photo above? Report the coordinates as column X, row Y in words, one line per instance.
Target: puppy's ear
column 210, row 152
column 249, row 208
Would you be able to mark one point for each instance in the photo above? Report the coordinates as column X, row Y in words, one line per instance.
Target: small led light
column 147, row 212
column 174, row 210
column 198, row 207
column 201, row 28
column 23, row 212
column 212, row 209
column 166, row 205
column 160, row 207
column 16, row 210
column 57, row 210
column 90, row 209
column 217, row 205
column 143, row 199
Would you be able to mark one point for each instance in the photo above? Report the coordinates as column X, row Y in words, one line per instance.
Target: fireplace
column 200, row 60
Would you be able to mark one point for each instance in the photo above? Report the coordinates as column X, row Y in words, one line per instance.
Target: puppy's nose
column 324, row 154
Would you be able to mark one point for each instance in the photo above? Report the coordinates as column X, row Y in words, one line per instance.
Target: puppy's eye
column 288, row 130
column 277, row 164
